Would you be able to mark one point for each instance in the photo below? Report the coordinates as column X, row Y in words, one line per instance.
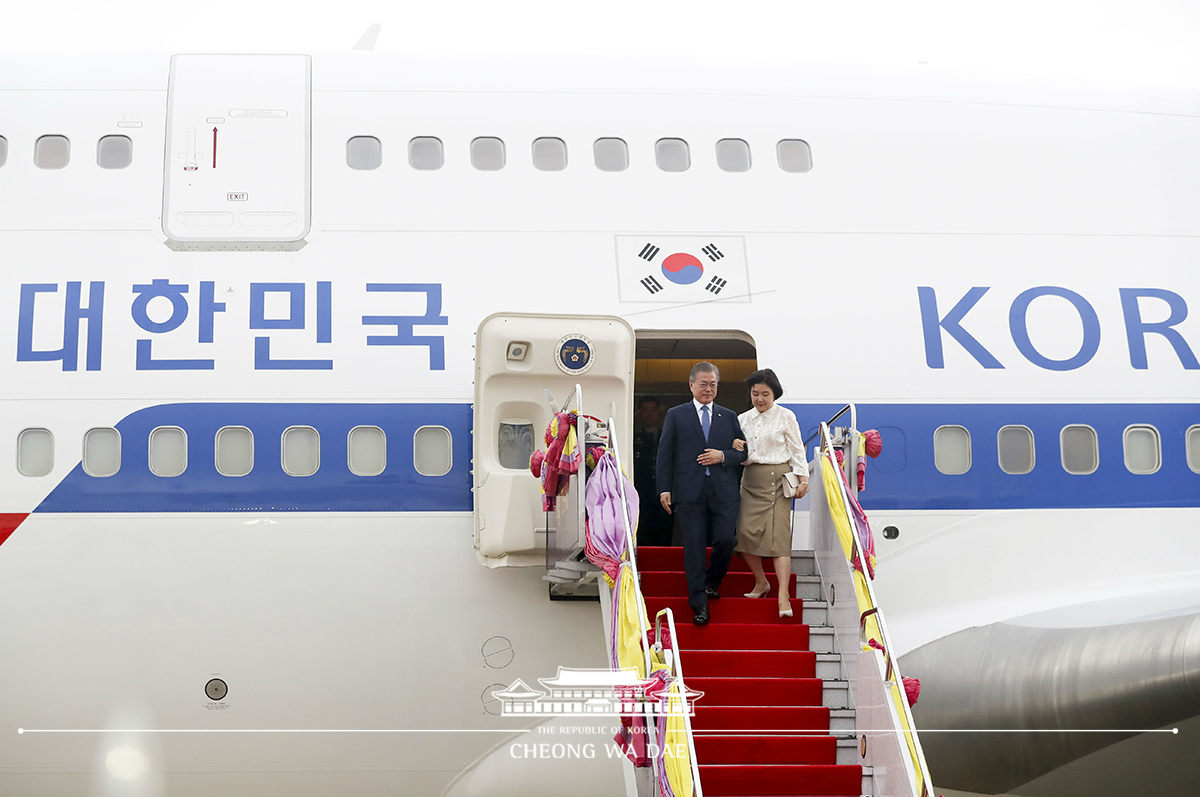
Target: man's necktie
column 705, row 425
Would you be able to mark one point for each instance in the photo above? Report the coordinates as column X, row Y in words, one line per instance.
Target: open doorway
column 663, row 360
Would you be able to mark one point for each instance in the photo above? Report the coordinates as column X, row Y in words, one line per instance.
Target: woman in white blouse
column 764, row 521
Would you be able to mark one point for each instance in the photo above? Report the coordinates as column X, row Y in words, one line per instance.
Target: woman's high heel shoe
column 759, row 591
column 786, row 612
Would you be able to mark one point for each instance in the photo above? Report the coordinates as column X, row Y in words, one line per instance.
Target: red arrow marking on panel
column 9, row 523
column 214, row 147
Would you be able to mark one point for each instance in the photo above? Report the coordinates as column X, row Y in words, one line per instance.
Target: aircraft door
column 517, row 358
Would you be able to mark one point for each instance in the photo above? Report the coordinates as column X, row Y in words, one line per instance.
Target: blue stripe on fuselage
column 400, row 488
column 904, row 477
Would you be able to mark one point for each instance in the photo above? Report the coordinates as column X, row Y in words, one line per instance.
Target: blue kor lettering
column 74, row 315
column 1020, row 330
column 951, row 324
column 405, row 334
column 1136, row 329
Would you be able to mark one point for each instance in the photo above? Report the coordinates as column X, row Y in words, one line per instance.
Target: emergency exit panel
column 237, row 163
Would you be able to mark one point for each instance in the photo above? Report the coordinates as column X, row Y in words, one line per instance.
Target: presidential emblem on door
column 574, row 354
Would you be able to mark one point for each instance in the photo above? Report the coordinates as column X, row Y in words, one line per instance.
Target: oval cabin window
column 1015, row 447
column 1080, row 450
column 952, row 450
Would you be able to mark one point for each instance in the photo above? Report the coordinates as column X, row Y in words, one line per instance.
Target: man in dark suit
column 698, row 476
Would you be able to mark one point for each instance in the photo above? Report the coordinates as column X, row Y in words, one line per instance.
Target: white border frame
column 970, row 454
column 1062, row 449
column 217, row 452
column 1157, row 448
column 349, row 448
column 20, row 436
column 150, row 451
column 283, row 451
column 450, row 450
column 1032, row 449
column 120, row 446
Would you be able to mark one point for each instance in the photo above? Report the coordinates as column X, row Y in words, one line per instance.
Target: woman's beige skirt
column 764, row 520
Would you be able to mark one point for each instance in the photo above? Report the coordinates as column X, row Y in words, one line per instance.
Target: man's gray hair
column 700, row 368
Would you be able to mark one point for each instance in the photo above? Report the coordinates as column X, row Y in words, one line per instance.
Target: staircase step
column 581, row 567
column 759, row 691
column 742, row 636
column 835, row 694
column 730, row 610
column 721, row 780
column 820, row 640
column 828, row 666
column 848, row 753
column 766, row 749
column 752, row 719
column 751, row 663
column 673, row 584
column 841, row 720
column 671, row 558
column 808, row 588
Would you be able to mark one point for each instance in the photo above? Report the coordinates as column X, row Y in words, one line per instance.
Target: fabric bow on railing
column 555, row 465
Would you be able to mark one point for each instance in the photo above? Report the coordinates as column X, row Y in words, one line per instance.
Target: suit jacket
column 683, row 440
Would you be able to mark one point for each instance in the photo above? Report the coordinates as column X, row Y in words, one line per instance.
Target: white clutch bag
column 791, row 484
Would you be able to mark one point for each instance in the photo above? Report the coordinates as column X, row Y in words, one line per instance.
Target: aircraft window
column 1015, row 444
column 487, row 154
column 1080, row 450
column 114, row 152
column 168, row 451
column 1143, row 450
column 235, row 451
column 1193, row 448
column 611, row 154
column 101, row 452
column 426, row 153
column 794, row 155
column 952, row 450
column 672, row 155
column 366, row 451
column 52, row 152
column 3, row 150
column 549, row 154
column 431, row 451
column 733, row 155
column 364, row 153
column 35, row 452
column 300, row 450
column 515, row 443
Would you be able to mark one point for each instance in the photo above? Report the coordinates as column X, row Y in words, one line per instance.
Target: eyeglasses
column 705, row 384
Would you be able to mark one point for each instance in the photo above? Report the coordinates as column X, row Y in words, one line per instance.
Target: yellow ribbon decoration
column 678, row 758
column 841, row 521
column 629, row 632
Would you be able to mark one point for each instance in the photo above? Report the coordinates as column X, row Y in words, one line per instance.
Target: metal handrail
column 875, row 610
column 677, row 669
column 853, row 422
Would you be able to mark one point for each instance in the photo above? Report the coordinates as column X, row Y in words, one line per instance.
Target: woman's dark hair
column 766, row 377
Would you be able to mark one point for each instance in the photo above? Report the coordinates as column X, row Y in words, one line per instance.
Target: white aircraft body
column 246, row 306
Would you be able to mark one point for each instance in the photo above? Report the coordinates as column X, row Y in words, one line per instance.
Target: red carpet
column 760, row 728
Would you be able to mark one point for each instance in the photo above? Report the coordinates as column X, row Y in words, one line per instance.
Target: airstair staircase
column 775, row 716
column 791, row 707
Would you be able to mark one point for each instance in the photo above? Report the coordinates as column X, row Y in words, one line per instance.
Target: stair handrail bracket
column 890, row 741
